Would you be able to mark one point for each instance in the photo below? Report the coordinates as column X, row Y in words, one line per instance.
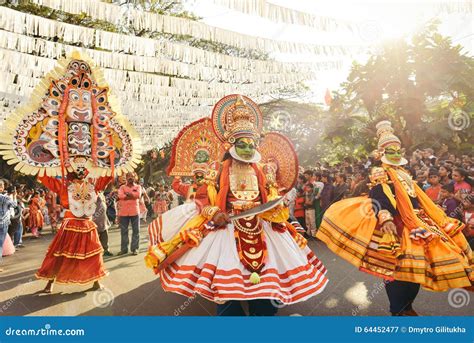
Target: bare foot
column 49, row 287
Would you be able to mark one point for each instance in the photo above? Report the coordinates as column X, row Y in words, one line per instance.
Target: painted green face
column 245, row 148
column 393, row 153
column 201, row 156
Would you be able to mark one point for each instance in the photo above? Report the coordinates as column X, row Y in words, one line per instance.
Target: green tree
column 423, row 85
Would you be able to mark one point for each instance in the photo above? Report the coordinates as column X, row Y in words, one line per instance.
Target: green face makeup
column 201, row 157
column 245, row 148
column 393, row 154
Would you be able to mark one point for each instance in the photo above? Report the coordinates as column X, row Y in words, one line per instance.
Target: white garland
column 181, row 26
column 170, row 90
column 157, row 112
column 176, row 55
column 226, row 80
column 279, row 14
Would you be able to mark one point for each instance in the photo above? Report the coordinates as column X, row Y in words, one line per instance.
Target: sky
column 379, row 22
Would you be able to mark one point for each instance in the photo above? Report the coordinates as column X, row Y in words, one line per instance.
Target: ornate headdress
column 385, row 135
column 71, row 113
column 236, row 116
column 386, row 139
column 280, row 159
column 193, row 139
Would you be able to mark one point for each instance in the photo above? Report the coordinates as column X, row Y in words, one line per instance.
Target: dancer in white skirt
column 197, row 248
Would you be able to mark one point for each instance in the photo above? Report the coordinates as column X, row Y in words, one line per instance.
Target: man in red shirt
column 128, row 212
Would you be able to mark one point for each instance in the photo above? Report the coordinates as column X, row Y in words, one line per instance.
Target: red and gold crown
column 236, row 116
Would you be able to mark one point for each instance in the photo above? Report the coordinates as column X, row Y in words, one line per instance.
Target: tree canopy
column 423, row 85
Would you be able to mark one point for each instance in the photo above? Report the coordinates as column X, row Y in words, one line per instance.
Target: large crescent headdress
column 71, row 114
column 194, row 138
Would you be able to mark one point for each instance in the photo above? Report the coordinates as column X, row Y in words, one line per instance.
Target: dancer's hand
column 221, row 218
column 389, row 227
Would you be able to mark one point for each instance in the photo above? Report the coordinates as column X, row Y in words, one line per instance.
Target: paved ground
column 132, row 289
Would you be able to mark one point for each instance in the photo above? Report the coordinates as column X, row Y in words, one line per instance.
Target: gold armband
column 384, row 216
column 210, row 211
column 378, row 176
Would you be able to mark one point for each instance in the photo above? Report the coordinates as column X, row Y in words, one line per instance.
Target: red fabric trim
column 312, row 287
column 63, row 154
column 217, row 282
column 225, row 186
column 262, row 181
column 94, row 131
column 232, row 272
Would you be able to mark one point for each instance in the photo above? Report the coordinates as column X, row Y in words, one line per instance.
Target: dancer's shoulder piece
column 279, row 159
column 195, row 149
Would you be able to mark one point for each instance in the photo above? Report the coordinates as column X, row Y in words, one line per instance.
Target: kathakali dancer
column 233, row 242
column 398, row 233
column 197, row 149
column 74, row 139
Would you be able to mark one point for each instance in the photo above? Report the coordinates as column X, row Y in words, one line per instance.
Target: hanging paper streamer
column 153, row 22
column 279, row 14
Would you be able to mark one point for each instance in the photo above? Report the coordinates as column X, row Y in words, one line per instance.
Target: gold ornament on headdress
column 385, row 135
column 236, row 116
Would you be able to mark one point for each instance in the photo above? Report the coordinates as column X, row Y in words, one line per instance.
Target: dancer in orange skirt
column 75, row 254
column 398, row 233
column 73, row 138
